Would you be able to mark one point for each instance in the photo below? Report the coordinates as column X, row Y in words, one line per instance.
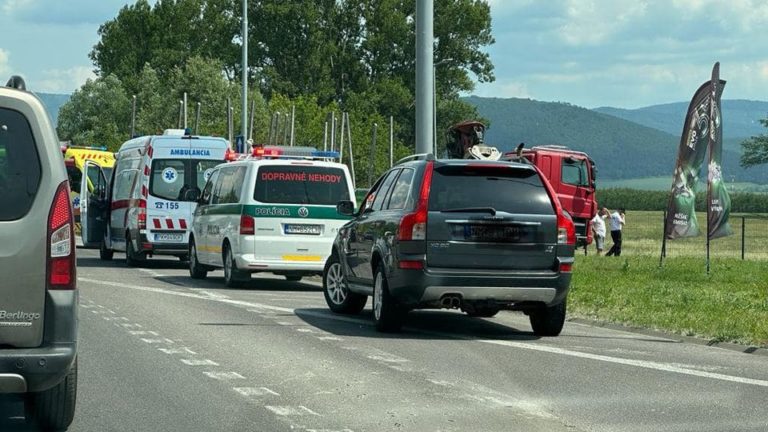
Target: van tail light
column 413, row 226
column 247, row 225
column 141, row 217
column 60, row 262
column 566, row 231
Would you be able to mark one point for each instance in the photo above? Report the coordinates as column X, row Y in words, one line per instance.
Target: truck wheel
column 53, row 409
column 548, row 321
column 388, row 314
column 337, row 294
column 196, row 270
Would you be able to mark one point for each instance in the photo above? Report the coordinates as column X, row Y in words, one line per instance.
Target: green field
column 665, row 183
column 728, row 304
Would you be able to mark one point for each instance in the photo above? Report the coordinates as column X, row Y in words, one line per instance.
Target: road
column 162, row 352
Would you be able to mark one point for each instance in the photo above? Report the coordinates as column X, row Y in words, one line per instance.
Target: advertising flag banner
column 718, row 201
column 681, row 215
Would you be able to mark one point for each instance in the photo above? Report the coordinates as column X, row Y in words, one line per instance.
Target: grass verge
column 728, row 305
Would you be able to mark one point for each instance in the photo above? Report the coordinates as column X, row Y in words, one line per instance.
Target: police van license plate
column 169, row 237
column 303, row 229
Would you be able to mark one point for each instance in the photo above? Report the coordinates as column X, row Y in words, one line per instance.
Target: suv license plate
column 169, row 237
column 491, row 233
column 302, row 229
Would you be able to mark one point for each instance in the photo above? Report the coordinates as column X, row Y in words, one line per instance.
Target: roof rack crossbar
column 419, row 156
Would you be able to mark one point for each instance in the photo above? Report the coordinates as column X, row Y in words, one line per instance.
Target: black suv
column 479, row 236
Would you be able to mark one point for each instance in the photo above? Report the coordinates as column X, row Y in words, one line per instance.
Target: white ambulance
column 153, row 192
column 274, row 211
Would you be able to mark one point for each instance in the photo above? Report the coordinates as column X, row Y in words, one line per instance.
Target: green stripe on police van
column 293, row 211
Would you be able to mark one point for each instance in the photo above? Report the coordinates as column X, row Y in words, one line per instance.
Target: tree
column 755, row 149
column 96, row 114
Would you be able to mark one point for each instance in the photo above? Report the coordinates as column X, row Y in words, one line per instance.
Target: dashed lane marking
column 157, row 340
column 512, row 344
column 284, row 410
column 255, row 391
column 181, row 350
column 195, row 362
column 223, row 376
column 143, row 333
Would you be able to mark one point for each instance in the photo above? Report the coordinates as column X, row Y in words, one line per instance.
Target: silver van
column 38, row 281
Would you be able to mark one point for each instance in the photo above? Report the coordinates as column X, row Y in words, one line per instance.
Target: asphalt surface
column 162, row 352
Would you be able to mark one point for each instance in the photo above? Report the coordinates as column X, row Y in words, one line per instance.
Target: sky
column 590, row 53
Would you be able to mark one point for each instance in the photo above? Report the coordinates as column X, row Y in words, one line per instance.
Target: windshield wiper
column 490, row 210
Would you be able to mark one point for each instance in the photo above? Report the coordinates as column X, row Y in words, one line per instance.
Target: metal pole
column 185, row 110
column 229, row 121
column 424, row 78
column 341, row 138
column 333, row 130
column 743, row 223
column 293, row 123
column 325, row 136
column 351, row 156
column 663, row 240
column 250, row 123
column 181, row 112
column 197, row 118
column 434, row 110
column 372, row 159
column 133, row 117
column 245, row 73
column 391, row 141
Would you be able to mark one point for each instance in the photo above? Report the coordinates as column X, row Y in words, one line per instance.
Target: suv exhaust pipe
column 451, row 301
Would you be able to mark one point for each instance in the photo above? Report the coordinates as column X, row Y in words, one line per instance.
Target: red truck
column 571, row 173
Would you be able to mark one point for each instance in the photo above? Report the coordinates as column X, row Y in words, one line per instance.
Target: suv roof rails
column 419, row 156
column 17, row 83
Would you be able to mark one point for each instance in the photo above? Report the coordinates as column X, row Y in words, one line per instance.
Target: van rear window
column 504, row 188
column 297, row 184
column 19, row 165
column 171, row 178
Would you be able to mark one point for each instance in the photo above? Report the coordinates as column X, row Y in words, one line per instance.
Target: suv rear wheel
column 54, row 409
column 336, row 291
column 388, row 315
column 548, row 321
column 232, row 276
column 196, row 270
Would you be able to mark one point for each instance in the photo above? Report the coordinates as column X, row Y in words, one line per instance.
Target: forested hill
column 740, row 117
column 52, row 103
column 621, row 149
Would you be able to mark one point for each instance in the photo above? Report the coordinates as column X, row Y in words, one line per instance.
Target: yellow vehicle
column 75, row 158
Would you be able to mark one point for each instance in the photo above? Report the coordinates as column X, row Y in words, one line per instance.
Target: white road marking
column 388, row 358
column 255, row 391
column 143, row 333
column 131, row 325
column 182, row 350
column 157, row 341
column 284, row 410
column 151, row 272
column 210, row 293
column 195, row 362
column 305, row 330
column 330, row 338
column 530, row 346
column 284, row 323
column 223, row 375
column 629, row 362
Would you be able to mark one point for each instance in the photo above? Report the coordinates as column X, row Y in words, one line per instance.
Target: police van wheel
column 232, row 276
column 104, row 253
column 196, row 271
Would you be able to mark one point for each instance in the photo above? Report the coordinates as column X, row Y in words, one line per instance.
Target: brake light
column 566, row 231
column 60, row 266
column 413, row 226
column 141, row 217
column 566, row 267
column 411, row 264
column 247, row 225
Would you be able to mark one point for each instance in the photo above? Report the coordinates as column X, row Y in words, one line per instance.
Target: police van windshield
column 301, row 185
column 172, row 178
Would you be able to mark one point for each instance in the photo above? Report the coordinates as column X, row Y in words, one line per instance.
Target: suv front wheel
column 548, row 321
column 388, row 314
column 337, row 294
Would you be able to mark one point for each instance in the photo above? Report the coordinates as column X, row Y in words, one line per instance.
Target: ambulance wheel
column 196, row 271
column 232, row 276
column 104, row 253
column 132, row 258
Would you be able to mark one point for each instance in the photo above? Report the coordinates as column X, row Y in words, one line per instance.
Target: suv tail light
column 60, row 262
column 566, row 231
column 413, row 226
column 247, row 225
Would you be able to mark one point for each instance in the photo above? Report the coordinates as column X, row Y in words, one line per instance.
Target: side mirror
column 346, row 208
column 192, row 195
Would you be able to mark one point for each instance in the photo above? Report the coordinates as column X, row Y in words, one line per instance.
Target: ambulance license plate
column 302, row 229
column 169, row 237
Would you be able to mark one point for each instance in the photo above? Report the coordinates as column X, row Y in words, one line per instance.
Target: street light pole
column 424, row 75
column 245, row 74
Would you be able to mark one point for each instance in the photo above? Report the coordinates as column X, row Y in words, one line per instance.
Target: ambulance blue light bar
column 282, row 152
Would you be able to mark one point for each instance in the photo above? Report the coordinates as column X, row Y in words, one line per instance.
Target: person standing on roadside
column 598, row 229
column 617, row 223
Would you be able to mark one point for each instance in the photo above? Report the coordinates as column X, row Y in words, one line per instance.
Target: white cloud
column 11, row 6
column 503, row 89
column 64, row 80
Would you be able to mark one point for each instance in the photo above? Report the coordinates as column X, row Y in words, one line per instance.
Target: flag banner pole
column 718, row 200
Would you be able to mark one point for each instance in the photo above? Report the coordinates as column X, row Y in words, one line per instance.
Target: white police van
column 274, row 211
column 154, row 187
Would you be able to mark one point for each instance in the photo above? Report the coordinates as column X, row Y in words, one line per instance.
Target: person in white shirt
column 617, row 223
column 598, row 229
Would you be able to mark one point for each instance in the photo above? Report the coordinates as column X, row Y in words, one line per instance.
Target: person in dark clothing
column 617, row 223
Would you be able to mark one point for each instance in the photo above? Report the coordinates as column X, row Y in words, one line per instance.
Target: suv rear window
column 505, row 188
column 297, row 184
column 19, row 165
